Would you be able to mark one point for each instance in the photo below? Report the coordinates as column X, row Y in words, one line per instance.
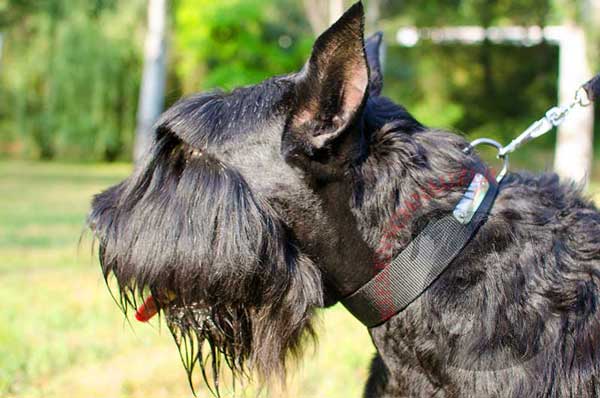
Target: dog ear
column 375, row 53
column 331, row 89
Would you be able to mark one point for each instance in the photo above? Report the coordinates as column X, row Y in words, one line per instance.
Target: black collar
column 424, row 259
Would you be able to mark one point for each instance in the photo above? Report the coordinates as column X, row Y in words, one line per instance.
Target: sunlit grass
column 61, row 335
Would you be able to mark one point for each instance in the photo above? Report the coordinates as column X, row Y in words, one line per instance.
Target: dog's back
column 516, row 315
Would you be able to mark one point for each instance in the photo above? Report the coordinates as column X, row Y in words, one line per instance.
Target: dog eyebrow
column 212, row 118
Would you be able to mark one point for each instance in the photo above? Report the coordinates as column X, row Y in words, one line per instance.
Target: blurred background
column 82, row 82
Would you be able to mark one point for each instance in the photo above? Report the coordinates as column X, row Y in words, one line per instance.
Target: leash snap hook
column 501, row 154
column 556, row 116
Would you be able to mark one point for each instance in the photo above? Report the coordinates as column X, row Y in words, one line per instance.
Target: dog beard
column 217, row 260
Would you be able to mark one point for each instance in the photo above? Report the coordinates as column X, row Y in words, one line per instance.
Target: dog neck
column 401, row 183
column 409, row 274
column 343, row 253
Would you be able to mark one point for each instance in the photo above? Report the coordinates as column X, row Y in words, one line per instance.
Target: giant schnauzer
column 256, row 207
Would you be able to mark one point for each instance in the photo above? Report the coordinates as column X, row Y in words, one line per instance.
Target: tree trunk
column 322, row 13
column 316, row 13
column 574, row 149
column 373, row 15
column 336, row 9
column 1, row 43
column 152, row 90
column 591, row 21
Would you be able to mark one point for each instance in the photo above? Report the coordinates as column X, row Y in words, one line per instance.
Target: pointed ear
column 331, row 89
column 375, row 51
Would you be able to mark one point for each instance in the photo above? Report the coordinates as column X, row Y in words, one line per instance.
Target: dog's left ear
column 374, row 49
column 331, row 89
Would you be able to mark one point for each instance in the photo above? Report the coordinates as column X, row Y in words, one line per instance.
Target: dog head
column 238, row 219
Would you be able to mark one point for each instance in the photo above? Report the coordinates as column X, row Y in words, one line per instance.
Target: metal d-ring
column 498, row 146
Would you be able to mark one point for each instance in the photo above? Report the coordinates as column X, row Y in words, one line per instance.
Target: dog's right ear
column 331, row 89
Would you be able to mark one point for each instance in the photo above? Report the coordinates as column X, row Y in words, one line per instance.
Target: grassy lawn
column 61, row 335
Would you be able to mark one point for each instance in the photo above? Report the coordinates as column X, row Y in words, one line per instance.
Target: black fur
column 256, row 207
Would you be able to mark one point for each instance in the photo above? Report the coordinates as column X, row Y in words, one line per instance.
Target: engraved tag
column 471, row 200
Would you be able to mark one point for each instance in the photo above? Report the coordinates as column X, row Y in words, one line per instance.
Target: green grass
column 61, row 335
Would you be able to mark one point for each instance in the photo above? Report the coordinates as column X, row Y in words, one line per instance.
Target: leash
column 424, row 259
column 554, row 117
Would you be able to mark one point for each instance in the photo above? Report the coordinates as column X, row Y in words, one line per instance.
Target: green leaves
column 237, row 42
column 70, row 69
column 69, row 82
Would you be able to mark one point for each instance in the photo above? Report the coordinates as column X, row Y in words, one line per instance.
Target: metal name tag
column 471, row 200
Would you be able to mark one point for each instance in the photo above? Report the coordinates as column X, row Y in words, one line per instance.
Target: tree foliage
column 71, row 69
column 236, row 42
column 484, row 90
column 70, row 82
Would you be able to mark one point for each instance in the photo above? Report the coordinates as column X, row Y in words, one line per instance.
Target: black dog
column 255, row 207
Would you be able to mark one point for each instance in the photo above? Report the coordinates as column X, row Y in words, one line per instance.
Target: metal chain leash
column 554, row 117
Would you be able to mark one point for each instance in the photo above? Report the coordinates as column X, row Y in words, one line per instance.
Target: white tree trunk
column 152, row 90
column 323, row 13
column 316, row 13
column 574, row 150
column 336, row 9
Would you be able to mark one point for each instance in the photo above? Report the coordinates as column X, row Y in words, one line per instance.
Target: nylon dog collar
column 424, row 259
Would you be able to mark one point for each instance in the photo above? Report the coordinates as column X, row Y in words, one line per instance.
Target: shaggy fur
column 253, row 208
